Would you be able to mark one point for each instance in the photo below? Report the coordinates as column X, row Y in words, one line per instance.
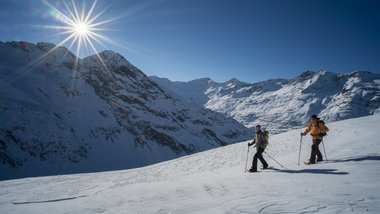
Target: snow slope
column 214, row 182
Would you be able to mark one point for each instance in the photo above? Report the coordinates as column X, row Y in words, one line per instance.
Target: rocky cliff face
column 281, row 105
column 61, row 114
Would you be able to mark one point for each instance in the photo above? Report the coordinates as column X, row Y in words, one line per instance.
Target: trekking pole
column 299, row 155
column 275, row 160
column 246, row 161
column 323, row 144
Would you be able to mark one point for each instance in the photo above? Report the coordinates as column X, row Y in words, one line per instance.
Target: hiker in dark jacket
column 260, row 147
column 316, row 128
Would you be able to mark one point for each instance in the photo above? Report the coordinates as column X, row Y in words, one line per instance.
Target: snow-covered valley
column 214, row 181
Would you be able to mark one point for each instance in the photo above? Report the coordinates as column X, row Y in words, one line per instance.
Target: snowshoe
column 308, row 163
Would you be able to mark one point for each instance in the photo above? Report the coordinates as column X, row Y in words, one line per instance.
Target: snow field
column 214, row 181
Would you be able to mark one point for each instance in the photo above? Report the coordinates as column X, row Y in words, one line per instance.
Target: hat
column 314, row 117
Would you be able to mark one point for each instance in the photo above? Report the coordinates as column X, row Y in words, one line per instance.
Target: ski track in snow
column 47, row 201
column 214, row 181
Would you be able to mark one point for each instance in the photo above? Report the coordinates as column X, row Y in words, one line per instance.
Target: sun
column 81, row 28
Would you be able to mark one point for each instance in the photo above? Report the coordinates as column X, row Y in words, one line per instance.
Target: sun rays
column 79, row 27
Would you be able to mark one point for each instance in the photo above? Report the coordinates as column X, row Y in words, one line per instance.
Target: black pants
column 315, row 151
column 258, row 155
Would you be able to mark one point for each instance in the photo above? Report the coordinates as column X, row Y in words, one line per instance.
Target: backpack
column 265, row 138
column 322, row 133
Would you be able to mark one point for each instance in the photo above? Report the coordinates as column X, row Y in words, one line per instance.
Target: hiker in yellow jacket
column 317, row 129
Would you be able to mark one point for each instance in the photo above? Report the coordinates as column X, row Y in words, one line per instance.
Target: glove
column 250, row 144
column 302, row 134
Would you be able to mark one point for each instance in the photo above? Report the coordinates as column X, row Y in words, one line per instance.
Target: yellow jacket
column 315, row 128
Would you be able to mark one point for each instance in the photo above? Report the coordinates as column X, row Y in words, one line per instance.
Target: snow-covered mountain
column 281, row 104
column 60, row 114
column 214, row 181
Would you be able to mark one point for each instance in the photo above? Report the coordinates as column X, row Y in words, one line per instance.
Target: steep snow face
column 65, row 115
column 214, row 181
column 281, row 105
column 359, row 96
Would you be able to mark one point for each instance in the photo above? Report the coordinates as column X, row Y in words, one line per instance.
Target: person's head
column 258, row 128
column 314, row 117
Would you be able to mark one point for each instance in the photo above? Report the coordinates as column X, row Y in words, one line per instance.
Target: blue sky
column 221, row 39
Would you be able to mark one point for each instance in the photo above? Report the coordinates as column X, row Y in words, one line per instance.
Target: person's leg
column 261, row 158
column 318, row 152
column 315, row 151
column 254, row 163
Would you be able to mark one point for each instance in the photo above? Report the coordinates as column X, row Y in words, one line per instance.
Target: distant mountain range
column 60, row 114
column 281, row 104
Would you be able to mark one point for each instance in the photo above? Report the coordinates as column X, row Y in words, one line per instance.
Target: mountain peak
column 109, row 53
column 308, row 74
column 41, row 46
column 233, row 80
column 110, row 58
column 235, row 83
column 46, row 45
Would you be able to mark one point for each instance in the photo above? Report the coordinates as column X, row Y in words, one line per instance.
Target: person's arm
column 324, row 128
column 307, row 130
column 252, row 143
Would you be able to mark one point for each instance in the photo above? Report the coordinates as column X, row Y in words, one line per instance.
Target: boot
column 309, row 162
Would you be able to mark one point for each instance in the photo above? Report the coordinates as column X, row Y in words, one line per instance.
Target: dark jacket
column 259, row 140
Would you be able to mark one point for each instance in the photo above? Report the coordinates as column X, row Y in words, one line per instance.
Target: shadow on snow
column 330, row 171
column 311, row 171
column 356, row 159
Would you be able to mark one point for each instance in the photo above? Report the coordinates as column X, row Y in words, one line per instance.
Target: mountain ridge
column 69, row 115
column 284, row 104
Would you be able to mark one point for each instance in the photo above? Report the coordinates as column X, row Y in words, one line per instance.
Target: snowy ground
column 214, row 181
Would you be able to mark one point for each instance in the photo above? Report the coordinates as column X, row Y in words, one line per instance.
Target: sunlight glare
column 81, row 28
